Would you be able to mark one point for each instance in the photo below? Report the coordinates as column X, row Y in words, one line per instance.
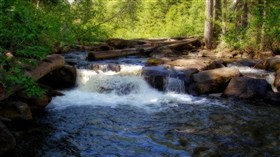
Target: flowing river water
column 116, row 114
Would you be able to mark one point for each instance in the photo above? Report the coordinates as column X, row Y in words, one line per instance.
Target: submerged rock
column 15, row 110
column 154, row 61
column 38, row 103
column 213, row 81
column 7, row 140
column 105, row 67
column 246, row 88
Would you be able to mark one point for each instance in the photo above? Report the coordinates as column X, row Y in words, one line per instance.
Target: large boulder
column 198, row 63
column 37, row 103
column 234, row 54
column 159, row 77
column 246, row 88
column 155, row 76
column 15, row 110
column 272, row 63
column 64, row 77
column 7, row 140
column 215, row 65
column 213, row 81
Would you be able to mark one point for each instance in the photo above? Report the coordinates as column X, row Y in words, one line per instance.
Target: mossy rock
column 154, row 61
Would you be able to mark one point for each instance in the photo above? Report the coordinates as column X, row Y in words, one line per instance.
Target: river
column 115, row 114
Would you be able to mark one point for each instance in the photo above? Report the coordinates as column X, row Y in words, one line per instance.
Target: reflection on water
column 182, row 130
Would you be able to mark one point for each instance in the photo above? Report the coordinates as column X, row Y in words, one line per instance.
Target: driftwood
column 93, row 55
column 47, row 65
column 142, row 46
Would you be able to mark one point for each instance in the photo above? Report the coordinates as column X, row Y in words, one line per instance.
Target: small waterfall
column 120, row 85
column 126, row 87
column 172, row 84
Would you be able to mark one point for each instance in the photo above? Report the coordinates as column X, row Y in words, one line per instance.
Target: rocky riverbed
column 171, row 99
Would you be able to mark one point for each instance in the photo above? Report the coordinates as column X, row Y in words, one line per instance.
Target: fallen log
column 47, row 65
column 117, row 53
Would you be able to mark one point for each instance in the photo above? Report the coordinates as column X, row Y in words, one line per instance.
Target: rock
column 228, row 53
column 37, row 104
column 158, row 77
column 15, row 110
column 114, row 67
column 213, row 81
column 154, row 61
column 246, row 88
column 215, row 65
column 234, row 54
column 277, row 80
column 198, row 63
column 7, row 140
column 264, row 54
column 272, row 98
column 272, row 63
column 155, row 76
column 206, row 53
column 64, row 77
column 160, row 52
column 105, row 67
column 245, row 62
column 188, row 79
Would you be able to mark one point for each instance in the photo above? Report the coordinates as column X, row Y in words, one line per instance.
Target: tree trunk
column 264, row 42
column 260, row 22
column 244, row 22
column 224, row 17
column 237, row 4
column 217, row 14
column 49, row 64
column 208, row 30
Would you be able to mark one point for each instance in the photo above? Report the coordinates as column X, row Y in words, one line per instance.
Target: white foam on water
column 113, row 89
column 248, row 70
column 174, row 85
column 127, row 69
column 258, row 73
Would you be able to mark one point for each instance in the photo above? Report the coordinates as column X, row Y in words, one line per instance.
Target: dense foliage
column 31, row 29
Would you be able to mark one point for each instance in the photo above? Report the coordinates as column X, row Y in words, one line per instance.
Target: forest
column 139, row 78
column 31, row 29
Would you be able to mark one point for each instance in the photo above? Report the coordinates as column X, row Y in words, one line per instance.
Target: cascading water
column 126, row 87
column 116, row 113
column 173, row 84
column 257, row 73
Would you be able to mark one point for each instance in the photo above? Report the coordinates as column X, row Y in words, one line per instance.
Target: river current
column 115, row 114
